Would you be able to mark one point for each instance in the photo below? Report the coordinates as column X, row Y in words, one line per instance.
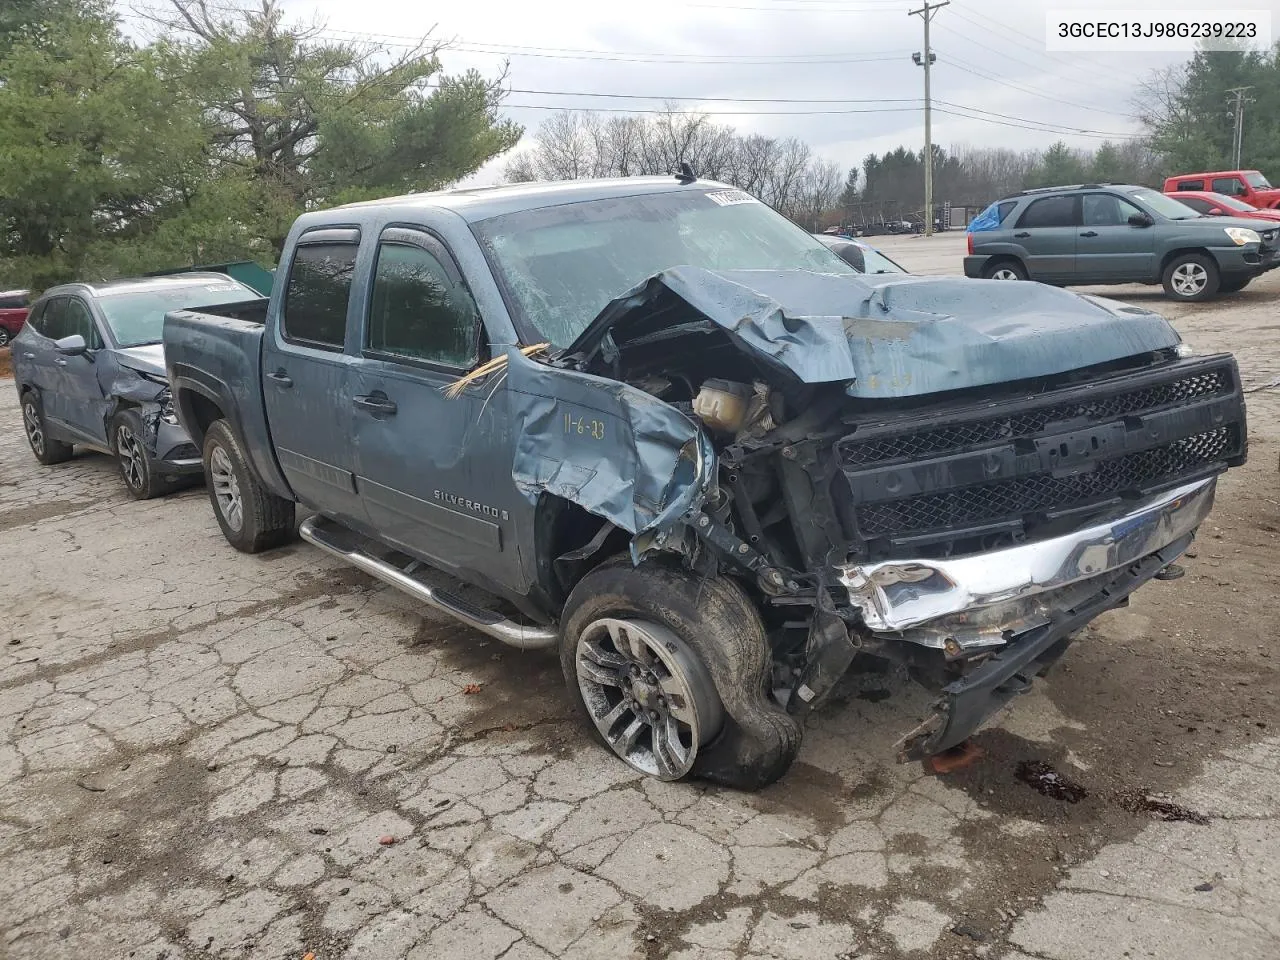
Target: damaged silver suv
column 89, row 370
column 692, row 450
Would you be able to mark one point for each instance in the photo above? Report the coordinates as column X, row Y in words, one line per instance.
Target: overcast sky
column 991, row 58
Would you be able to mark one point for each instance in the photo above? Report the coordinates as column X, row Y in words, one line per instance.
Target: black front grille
column 912, row 445
column 990, row 501
column 958, row 479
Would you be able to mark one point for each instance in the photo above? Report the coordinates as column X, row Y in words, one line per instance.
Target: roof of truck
column 481, row 203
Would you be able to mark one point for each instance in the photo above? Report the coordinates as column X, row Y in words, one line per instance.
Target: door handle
column 1089, row 233
column 376, row 405
column 28, row 356
column 1022, row 236
column 61, row 361
column 281, row 378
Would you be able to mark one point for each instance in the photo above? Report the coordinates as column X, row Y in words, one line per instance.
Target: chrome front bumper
column 974, row 602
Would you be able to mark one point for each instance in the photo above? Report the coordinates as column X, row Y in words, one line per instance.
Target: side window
column 76, row 318
column 315, row 302
column 13, row 301
column 1051, row 212
column 1231, row 186
column 1005, row 208
column 54, row 320
column 1107, row 210
column 1192, row 185
column 418, row 310
column 35, row 319
column 1198, row 204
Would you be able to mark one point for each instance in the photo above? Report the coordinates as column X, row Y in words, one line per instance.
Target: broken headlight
column 168, row 413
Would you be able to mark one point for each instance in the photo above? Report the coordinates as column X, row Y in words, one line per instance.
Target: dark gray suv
column 1104, row 233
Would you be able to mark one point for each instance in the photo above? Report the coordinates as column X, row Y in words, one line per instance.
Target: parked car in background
column 89, row 368
column 861, row 256
column 1101, row 234
column 1248, row 185
column 1220, row 205
column 703, row 457
column 13, row 313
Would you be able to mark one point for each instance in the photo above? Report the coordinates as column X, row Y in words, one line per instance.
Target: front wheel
column 1004, row 270
column 4, row 337
column 1191, row 277
column 136, row 466
column 251, row 517
column 670, row 672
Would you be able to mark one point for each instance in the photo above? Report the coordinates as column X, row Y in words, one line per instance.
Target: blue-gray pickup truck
column 685, row 445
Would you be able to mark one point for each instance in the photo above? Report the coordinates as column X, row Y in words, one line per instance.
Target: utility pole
column 1237, row 101
column 927, row 13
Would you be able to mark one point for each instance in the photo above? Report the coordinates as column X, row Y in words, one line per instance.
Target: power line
column 969, row 68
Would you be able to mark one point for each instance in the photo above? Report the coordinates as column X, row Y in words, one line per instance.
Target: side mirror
column 72, row 346
column 1140, row 220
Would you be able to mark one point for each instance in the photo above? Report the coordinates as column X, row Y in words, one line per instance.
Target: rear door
column 434, row 471
column 38, row 358
column 1110, row 248
column 306, row 374
column 1047, row 230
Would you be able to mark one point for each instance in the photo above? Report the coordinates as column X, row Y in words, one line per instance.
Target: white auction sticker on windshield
column 727, row 198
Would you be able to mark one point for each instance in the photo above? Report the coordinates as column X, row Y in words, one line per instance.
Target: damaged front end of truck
column 953, row 475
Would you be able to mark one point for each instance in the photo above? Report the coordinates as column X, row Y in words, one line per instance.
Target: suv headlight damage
column 168, row 413
column 1240, row 236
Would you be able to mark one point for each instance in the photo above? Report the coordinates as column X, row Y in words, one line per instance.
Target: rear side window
column 35, row 319
column 1231, row 186
column 1051, row 212
column 315, row 303
column 1191, row 185
column 419, row 311
column 1004, row 208
column 13, row 301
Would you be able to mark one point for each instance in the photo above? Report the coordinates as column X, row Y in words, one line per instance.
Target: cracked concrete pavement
column 212, row 755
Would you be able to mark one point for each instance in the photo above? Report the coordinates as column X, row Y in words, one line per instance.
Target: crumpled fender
column 614, row 450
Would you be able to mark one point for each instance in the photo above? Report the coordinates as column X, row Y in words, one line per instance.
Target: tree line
column 205, row 143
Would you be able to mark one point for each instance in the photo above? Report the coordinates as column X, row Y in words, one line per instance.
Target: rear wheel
column 670, row 672
column 1191, row 277
column 47, row 450
column 4, row 337
column 1004, row 270
column 251, row 517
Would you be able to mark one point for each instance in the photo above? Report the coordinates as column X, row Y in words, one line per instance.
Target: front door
column 1047, row 231
column 434, row 470
column 306, row 376
column 82, row 401
column 1110, row 248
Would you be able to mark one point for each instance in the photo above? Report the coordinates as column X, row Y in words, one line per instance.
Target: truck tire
column 689, row 652
column 1190, row 277
column 136, row 466
column 47, row 450
column 251, row 517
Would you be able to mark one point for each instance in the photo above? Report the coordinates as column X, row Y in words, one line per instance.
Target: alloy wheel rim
column 1004, row 273
column 648, row 694
column 4, row 337
column 35, row 432
column 1189, row 279
column 226, row 488
column 132, row 459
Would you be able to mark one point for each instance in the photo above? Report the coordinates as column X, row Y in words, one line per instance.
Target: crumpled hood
column 887, row 335
column 146, row 359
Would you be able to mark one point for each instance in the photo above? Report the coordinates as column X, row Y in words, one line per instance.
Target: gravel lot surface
column 211, row 755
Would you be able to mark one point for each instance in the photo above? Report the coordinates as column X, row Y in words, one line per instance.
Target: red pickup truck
column 13, row 313
column 1248, row 185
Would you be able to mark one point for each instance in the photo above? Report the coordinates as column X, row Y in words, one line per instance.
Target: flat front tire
column 669, row 671
column 251, row 517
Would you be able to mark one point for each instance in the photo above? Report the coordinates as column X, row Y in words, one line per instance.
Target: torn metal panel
column 887, row 336
column 612, row 449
